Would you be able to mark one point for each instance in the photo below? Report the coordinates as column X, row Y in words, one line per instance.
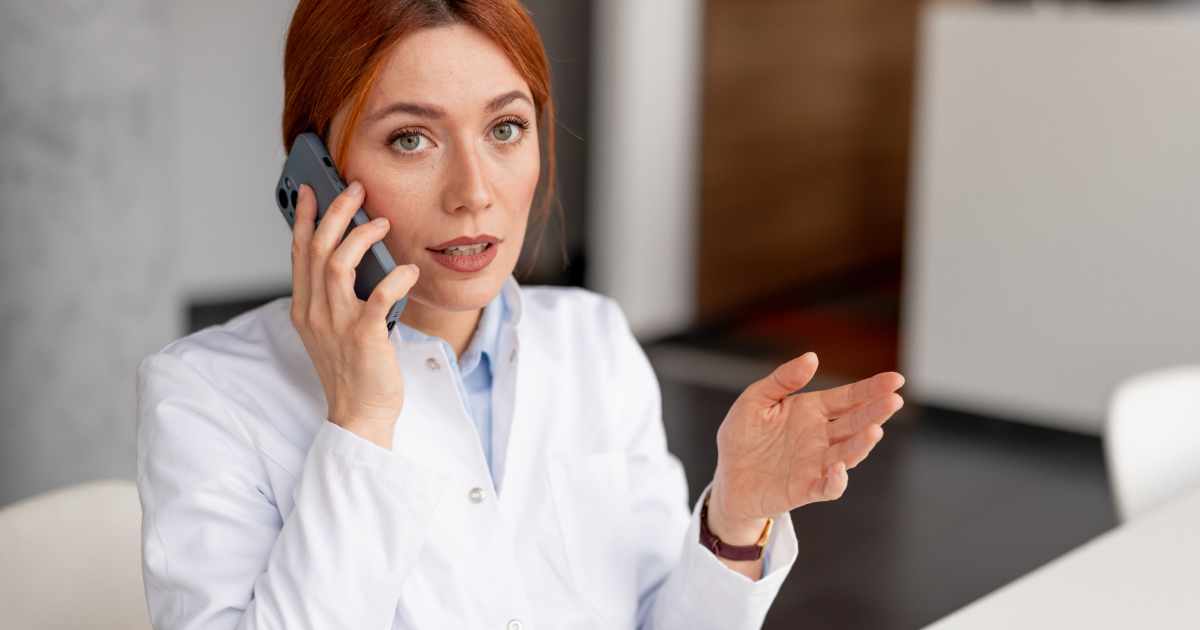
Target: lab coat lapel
column 434, row 429
column 520, row 417
column 504, row 382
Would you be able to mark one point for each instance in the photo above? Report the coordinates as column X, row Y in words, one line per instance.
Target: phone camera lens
column 294, row 197
column 283, row 198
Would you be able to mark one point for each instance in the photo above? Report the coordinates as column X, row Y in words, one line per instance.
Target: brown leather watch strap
column 729, row 552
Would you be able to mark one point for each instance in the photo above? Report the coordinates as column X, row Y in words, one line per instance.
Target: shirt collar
column 485, row 341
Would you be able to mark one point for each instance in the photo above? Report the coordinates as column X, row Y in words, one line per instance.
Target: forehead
column 456, row 65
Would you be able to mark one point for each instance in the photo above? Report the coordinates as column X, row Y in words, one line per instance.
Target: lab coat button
column 515, row 624
column 476, row 496
column 433, row 365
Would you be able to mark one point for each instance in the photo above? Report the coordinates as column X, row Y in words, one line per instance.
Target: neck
column 456, row 328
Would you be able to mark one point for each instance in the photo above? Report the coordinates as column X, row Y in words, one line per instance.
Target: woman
column 496, row 461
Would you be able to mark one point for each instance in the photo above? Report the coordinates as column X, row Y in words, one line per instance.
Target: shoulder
column 264, row 334
column 246, row 361
column 587, row 327
column 571, row 310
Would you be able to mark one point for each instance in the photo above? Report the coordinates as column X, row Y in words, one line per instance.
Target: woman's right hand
column 346, row 338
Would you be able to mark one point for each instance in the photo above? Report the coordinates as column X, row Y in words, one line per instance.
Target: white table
column 1145, row 574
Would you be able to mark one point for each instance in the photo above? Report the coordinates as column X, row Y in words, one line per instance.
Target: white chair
column 1152, row 439
column 71, row 558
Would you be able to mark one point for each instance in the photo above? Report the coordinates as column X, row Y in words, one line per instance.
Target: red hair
column 336, row 48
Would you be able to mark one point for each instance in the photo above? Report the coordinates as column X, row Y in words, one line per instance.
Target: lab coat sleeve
column 217, row 554
column 681, row 584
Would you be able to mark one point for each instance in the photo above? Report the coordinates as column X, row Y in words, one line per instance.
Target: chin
column 458, row 295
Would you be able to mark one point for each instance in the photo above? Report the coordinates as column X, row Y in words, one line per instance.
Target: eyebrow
column 436, row 113
column 499, row 102
column 424, row 111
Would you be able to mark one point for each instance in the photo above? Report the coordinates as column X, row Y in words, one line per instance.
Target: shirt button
column 515, row 624
column 476, row 496
column 433, row 365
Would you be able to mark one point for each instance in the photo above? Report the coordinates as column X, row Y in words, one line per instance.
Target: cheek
column 527, row 176
column 516, row 197
column 522, row 186
column 410, row 202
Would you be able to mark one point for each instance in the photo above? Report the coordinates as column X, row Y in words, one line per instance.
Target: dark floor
column 947, row 508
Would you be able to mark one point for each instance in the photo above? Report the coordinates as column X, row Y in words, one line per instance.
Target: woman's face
column 447, row 150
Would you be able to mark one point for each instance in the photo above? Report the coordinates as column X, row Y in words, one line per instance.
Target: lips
column 466, row 254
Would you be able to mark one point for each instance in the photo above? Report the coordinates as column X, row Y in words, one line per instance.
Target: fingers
column 852, row 451
column 339, row 270
column 337, row 217
column 326, row 237
column 786, row 379
column 389, row 291
column 302, row 231
column 832, row 485
column 877, row 412
column 836, row 402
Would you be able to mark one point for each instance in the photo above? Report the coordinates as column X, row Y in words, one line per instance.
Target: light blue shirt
column 474, row 370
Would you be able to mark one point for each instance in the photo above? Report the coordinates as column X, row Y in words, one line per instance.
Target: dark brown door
column 804, row 143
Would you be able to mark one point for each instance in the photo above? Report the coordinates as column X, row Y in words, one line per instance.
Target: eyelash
column 516, row 121
column 520, row 123
column 401, row 133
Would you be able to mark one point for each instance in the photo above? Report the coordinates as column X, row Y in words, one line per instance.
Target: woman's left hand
column 778, row 451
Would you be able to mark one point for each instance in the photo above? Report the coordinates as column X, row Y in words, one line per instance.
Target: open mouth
column 466, row 250
column 466, row 253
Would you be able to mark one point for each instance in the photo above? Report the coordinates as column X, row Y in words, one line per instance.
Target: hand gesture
column 778, row 450
column 346, row 338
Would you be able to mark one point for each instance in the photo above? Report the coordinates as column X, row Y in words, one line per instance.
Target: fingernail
column 354, row 188
column 379, row 221
column 415, row 268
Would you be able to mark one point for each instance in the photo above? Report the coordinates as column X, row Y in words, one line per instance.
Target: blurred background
column 999, row 199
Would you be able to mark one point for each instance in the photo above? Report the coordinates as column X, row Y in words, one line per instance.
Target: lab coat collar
column 515, row 301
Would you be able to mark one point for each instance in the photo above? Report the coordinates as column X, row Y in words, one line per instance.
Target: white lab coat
column 259, row 513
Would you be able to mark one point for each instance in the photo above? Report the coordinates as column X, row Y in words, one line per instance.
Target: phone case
column 309, row 163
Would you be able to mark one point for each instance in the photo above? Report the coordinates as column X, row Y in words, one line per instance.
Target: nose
column 469, row 187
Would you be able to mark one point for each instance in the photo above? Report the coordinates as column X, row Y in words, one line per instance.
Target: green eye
column 409, row 142
column 503, row 131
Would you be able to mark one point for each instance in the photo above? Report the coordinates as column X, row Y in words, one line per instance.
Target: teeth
column 465, row 250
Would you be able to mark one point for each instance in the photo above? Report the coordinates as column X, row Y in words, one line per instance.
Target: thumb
column 785, row 380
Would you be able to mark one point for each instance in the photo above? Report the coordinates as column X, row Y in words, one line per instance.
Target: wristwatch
column 729, row 552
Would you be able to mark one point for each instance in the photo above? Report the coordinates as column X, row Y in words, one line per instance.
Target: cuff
column 778, row 556
column 722, row 597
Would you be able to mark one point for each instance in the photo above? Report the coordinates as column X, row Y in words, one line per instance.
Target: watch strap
column 730, row 552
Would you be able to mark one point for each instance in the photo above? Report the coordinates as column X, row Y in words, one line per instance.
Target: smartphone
column 309, row 163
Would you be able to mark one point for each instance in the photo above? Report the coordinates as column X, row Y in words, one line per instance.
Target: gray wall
column 226, row 82
column 86, row 286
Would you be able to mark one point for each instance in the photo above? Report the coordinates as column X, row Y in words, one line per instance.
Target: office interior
column 1001, row 200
